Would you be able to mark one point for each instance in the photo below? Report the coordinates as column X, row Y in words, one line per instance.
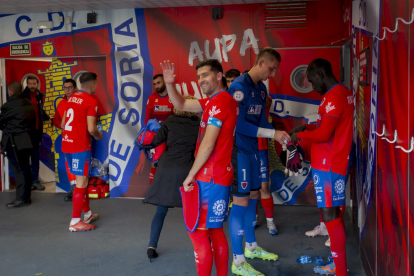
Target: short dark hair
column 157, row 76
column 232, row 73
column 87, row 76
column 213, row 63
column 70, row 81
column 15, row 87
column 32, row 78
column 320, row 63
column 268, row 52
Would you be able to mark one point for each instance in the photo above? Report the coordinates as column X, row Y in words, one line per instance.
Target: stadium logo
column 315, row 178
column 340, row 186
column 219, row 207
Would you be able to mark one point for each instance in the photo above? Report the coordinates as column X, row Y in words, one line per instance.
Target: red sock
column 336, row 230
column 151, row 175
column 267, row 204
column 202, row 252
column 78, row 200
column 220, row 250
column 86, row 203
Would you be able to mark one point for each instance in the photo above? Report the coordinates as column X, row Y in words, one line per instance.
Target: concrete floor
column 35, row 240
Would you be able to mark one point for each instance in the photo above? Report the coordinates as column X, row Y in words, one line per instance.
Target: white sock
column 238, row 259
column 251, row 245
column 74, row 221
column 269, row 219
column 87, row 214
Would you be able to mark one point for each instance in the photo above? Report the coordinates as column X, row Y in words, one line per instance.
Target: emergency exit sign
column 20, row 49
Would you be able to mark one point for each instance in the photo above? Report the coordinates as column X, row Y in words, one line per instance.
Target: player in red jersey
column 212, row 171
column 331, row 145
column 69, row 87
column 79, row 123
column 158, row 107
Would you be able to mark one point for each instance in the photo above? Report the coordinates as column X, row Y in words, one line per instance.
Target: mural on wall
column 134, row 42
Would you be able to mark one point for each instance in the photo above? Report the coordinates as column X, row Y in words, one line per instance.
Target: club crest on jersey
column 329, row 107
column 214, row 111
column 263, row 95
column 244, row 185
column 202, row 124
column 238, row 95
column 254, row 109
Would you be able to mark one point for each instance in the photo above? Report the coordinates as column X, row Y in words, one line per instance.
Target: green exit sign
column 20, row 49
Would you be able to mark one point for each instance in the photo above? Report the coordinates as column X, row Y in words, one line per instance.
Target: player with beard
column 331, row 140
column 212, row 172
column 158, row 107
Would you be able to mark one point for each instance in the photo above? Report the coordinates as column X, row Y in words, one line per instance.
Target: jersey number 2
column 69, row 116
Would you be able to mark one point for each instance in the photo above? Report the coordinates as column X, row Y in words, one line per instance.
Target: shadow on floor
column 39, row 235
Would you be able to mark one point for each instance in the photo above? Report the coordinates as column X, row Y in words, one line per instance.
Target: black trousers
column 20, row 166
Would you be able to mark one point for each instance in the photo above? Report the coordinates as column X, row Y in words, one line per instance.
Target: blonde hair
column 180, row 113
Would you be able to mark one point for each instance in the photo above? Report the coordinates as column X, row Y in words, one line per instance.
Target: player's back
column 76, row 137
column 252, row 100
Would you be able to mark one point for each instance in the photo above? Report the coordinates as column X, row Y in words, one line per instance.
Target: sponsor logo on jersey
column 255, row 109
column 219, row 207
column 238, row 95
column 329, row 107
column 244, row 185
column 66, row 139
column 334, row 254
column 214, row 111
column 202, row 124
column 339, row 186
column 162, row 108
column 350, row 99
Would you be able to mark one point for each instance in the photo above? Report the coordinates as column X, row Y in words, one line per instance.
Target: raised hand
column 168, row 71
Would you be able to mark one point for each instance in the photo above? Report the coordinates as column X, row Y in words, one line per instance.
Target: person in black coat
column 180, row 132
column 18, row 123
column 37, row 98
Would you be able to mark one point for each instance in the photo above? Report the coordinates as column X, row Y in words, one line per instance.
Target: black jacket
column 40, row 98
column 17, row 121
column 176, row 162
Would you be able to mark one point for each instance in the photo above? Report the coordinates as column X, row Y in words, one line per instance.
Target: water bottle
column 330, row 259
column 319, row 261
column 305, row 259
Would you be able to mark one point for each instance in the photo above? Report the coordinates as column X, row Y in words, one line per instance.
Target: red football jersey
column 333, row 154
column 220, row 110
column 76, row 137
column 158, row 107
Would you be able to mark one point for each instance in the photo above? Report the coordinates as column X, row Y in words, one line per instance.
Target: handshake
column 291, row 157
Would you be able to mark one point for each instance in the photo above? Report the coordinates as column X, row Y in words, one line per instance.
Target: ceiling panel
column 28, row 6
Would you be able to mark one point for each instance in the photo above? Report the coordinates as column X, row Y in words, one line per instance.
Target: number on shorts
column 244, row 174
column 69, row 114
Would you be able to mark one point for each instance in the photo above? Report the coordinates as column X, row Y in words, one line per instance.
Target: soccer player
column 69, row 87
column 158, row 107
column 79, row 123
column 250, row 92
column 332, row 140
column 212, row 170
column 266, row 197
column 231, row 75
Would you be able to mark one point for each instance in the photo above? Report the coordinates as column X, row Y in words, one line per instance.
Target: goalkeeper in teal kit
column 250, row 93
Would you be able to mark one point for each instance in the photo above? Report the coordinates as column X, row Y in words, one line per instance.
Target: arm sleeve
column 57, row 120
column 264, row 123
column 310, row 127
column 148, row 111
column 161, row 135
column 322, row 133
column 92, row 109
